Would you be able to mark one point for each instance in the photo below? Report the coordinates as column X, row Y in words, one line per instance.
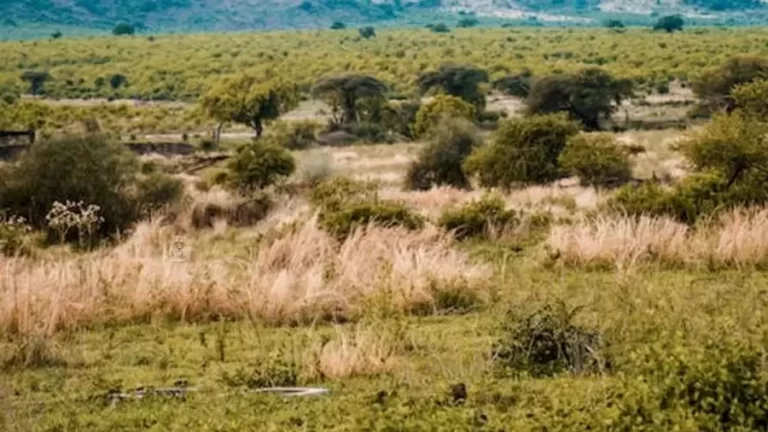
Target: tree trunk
column 258, row 127
column 217, row 134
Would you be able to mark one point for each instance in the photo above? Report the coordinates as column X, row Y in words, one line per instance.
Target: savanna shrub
column 723, row 385
column 14, row 236
column 523, row 151
column 732, row 145
column 547, row 342
column 298, row 135
column 714, row 86
column 432, row 113
column 441, row 162
column 156, row 191
column 260, row 164
column 344, row 222
column 398, row 117
column 90, row 169
column 479, row 218
column 345, row 205
column 752, row 98
column 333, row 194
column 597, row 160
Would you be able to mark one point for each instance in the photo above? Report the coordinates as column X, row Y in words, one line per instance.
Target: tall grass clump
column 301, row 276
column 735, row 239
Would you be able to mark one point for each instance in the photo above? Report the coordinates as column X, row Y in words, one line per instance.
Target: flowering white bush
column 63, row 218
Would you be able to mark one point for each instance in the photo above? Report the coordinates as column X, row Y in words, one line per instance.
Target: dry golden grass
column 561, row 198
column 301, row 276
column 361, row 351
column 736, row 239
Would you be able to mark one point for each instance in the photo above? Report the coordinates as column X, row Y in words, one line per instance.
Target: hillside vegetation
column 182, row 67
column 186, row 15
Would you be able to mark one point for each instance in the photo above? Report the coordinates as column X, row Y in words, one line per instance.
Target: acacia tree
column 459, row 81
column 36, row 80
column 587, row 96
column 344, row 93
column 715, row 85
column 250, row 101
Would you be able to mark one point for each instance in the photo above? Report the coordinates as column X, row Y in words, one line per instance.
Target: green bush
column 731, row 145
column 440, row 163
column 752, row 98
column 352, row 216
column 547, row 342
column 597, row 160
column 334, row 194
column 298, row 135
column 89, row 169
column 479, row 218
column 442, row 106
column 715, row 85
column 523, row 151
column 260, row 164
column 398, row 117
column 345, row 205
column 156, row 191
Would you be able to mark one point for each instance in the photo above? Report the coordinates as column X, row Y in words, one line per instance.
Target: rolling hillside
column 222, row 15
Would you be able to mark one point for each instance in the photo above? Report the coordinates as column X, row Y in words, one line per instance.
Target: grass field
column 560, row 314
column 394, row 329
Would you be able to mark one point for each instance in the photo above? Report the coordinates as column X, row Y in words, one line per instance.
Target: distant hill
column 221, row 15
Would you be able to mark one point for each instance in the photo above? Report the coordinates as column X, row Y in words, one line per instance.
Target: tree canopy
column 344, row 93
column 249, row 100
column 587, row 96
column 457, row 80
column 670, row 23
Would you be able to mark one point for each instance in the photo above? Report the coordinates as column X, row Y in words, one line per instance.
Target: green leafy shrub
column 352, row 216
column 547, row 342
column 731, row 145
column 298, row 135
column 442, row 106
column 90, row 169
column 345, row 205
column 715, row 85
column 523, row 151
column 752, row 98
column 479, row 218
column 597, row 160
column 260, row 164
column 123, row 29
column 333, row 194
column 398, row 117
column 723, row 385
column 441, row 162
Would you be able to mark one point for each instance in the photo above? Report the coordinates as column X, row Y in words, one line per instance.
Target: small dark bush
column 90, row 169
column 440, row 28
column 547, row 342
column 157, row 191
column 260, row 164
column 440, row 163
column 278, row 370
column 479, row 218
column 298, row 135
column 240, row 213
column 344, row 222
column 597, row 160
column 333, row 194
column 14, row 237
